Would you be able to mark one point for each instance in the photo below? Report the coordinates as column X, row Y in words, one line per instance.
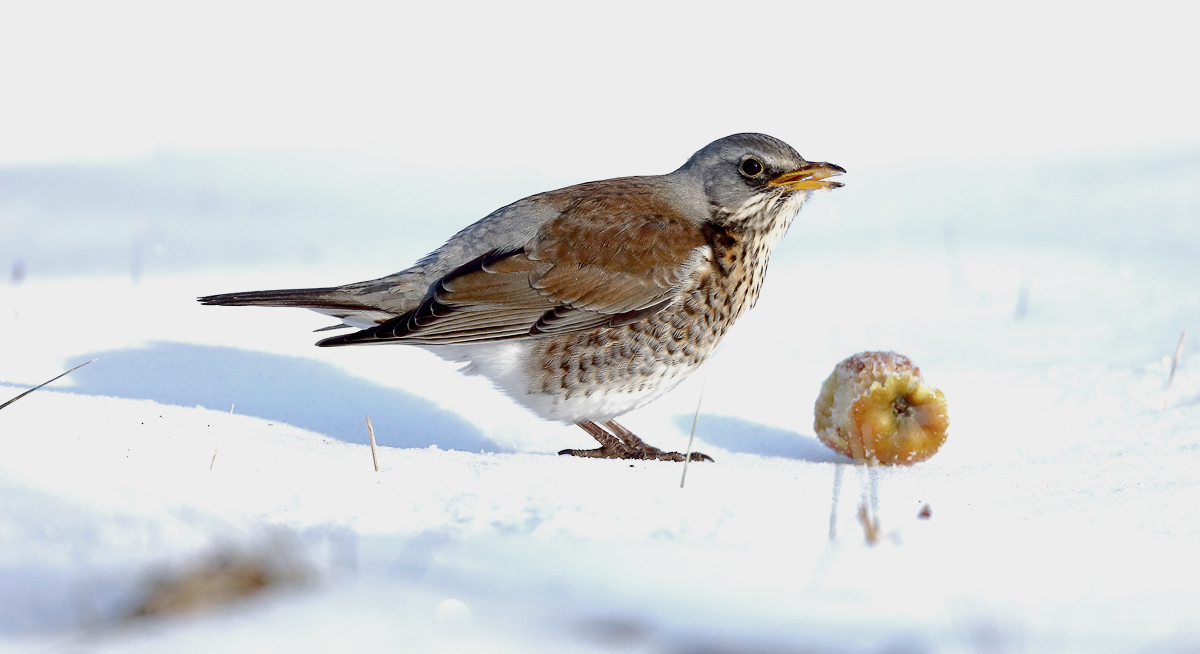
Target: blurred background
column 157, row 138
column 1021, row 216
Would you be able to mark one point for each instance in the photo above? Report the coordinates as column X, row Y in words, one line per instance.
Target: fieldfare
column 590, row 301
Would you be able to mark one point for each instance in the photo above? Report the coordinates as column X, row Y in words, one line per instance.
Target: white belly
column 506, row 364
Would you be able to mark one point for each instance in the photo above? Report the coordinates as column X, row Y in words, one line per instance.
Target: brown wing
column 615, row 255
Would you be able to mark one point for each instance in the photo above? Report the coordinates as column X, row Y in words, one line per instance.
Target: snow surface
column 1065, row 504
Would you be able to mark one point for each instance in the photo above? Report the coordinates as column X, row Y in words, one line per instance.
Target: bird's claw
column 629, row 453
column 617, row 442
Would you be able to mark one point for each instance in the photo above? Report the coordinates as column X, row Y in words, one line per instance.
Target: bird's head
column 754, row 179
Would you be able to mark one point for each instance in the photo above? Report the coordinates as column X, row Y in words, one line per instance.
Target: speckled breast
column 647, row 358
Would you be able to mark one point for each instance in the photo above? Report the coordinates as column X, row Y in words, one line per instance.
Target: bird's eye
column 751, row 167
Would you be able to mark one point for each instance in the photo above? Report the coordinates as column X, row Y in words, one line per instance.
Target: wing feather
column 616, row 254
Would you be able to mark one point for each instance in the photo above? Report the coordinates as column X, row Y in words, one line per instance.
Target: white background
column 1021, row 217
column 593, row 90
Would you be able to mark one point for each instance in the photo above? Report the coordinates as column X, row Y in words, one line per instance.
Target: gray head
column 754, row 176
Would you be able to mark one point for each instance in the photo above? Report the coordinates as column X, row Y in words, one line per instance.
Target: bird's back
column 611, row 205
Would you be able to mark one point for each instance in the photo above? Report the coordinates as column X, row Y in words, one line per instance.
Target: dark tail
column 307, row 298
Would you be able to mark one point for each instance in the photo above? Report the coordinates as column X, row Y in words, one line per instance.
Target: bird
column 587, row 302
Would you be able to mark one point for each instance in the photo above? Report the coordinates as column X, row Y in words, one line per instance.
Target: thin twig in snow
column 868, row 508
column 870, row 524
column 695, row 421
column 44, row 383
column 371, row 433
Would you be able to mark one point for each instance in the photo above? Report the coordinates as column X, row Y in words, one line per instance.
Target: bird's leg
column 618, row 442
column 610, row 446
column 631, row 439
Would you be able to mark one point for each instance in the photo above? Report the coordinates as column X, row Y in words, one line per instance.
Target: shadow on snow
column 297, row 391
column 738, row 435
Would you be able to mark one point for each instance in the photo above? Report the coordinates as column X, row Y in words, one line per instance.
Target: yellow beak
column 809, row 176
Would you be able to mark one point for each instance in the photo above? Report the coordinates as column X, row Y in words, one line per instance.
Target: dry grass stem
column 687, row 457
column 44, row 383
column 870, row 524
column 371, row 434
column 207, row 587
column 214, row 460
column 222, row 578
column 1174, row 364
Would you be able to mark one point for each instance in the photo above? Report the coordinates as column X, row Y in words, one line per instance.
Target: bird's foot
column 618, row 442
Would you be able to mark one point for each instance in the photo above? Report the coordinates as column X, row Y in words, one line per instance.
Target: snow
column 1064, row 504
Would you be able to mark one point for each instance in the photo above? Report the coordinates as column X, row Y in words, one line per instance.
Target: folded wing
column 615, row 255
